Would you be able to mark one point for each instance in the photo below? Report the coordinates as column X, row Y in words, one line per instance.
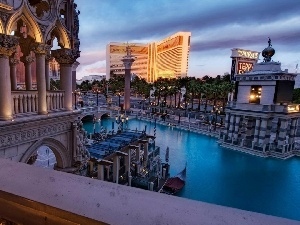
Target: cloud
column 216, row 27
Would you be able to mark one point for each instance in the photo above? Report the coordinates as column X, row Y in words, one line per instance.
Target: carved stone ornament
column 8, row 44
column 13, row 61
column 40, row 8
column 65, row 56
column 4, row 16
column 43, row 28
column 40, row 48
column 19, row 137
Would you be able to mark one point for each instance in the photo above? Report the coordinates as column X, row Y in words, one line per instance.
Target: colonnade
column 8, row 82
column 255, row 132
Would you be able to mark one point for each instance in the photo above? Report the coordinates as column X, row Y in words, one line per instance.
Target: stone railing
column 24, row 101
column 55, row 100
column 27, row 101
column 37, row 196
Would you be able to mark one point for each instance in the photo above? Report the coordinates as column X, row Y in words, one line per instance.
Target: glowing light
column 252, row 96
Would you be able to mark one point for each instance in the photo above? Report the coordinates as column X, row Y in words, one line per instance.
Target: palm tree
column 225, row 88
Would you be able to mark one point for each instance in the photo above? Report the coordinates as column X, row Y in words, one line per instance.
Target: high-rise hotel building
column 167, row 58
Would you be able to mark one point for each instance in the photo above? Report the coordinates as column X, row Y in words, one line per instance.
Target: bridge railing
column 27, row 101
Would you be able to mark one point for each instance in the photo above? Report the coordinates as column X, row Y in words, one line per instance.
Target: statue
column 269, row 42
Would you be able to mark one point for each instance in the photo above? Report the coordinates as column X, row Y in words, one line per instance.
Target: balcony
column 32, row 195
column 27, row 101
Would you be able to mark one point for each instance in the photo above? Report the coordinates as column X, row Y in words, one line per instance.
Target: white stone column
column 128, row 161
column 116, row 168
column 40, row 54
column 66, row 58
column 28, row 60
column 13, row 61
column 47, row 67
column 100, row 173
column 7, row 47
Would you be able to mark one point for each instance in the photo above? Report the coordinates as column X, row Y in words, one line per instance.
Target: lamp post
column 119, row 94
column 120, row 120
column 97, row 91
column 217, row 111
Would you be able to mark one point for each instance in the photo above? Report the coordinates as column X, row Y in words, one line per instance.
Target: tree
column 296, row 95
column 54, row 85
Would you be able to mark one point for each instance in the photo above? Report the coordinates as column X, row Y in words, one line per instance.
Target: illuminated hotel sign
column 242, row 61
column 248, row 54
column 243, row 67
column 135, row 50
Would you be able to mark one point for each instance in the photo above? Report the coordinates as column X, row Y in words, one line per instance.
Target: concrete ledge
column 55, row 196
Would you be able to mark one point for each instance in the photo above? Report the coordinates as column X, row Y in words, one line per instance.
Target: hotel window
column 255, row 94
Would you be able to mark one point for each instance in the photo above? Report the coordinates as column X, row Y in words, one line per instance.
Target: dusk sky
column 217, row 26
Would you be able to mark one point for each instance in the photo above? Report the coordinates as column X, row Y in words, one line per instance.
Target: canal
column 225, row 177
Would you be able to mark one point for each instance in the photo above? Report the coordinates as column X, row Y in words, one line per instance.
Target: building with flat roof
column 167, row 58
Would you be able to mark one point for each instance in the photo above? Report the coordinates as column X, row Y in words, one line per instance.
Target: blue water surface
column 225, row 177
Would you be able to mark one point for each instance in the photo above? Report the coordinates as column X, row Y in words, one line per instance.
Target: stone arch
column 59, row 32
column 25, row 15
column 61, row 153
column 2, row 31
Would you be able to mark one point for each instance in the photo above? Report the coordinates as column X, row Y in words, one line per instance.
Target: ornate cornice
column 65, row 56
column 8, row 44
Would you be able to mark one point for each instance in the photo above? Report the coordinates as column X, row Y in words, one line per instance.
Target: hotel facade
column 167, row 58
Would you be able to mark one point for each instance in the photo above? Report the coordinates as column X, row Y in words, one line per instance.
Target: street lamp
column 120, row 120
column 76, row 92
column 97, row 92
column 119, row 94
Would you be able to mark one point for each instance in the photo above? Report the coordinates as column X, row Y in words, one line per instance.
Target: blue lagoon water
column 225, row 177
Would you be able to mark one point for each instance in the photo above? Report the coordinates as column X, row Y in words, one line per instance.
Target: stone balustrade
column 27, row 101
column 24, row 101
column 55, row 100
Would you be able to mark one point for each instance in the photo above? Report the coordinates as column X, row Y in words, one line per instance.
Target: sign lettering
column 248, row 54
column 244, row 67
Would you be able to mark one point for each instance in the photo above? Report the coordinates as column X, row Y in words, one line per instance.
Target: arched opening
column 44, row 157
column 62, row 157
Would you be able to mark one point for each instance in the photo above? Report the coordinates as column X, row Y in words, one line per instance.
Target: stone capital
column 65, row 56
column 40, row 48
column 48, row 57
column 8, row 44
column 27, row 59
column 13, row 59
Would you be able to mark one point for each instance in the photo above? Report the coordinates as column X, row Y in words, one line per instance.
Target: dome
column 267, row 53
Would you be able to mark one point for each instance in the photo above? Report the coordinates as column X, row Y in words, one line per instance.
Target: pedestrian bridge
column 99, row 111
